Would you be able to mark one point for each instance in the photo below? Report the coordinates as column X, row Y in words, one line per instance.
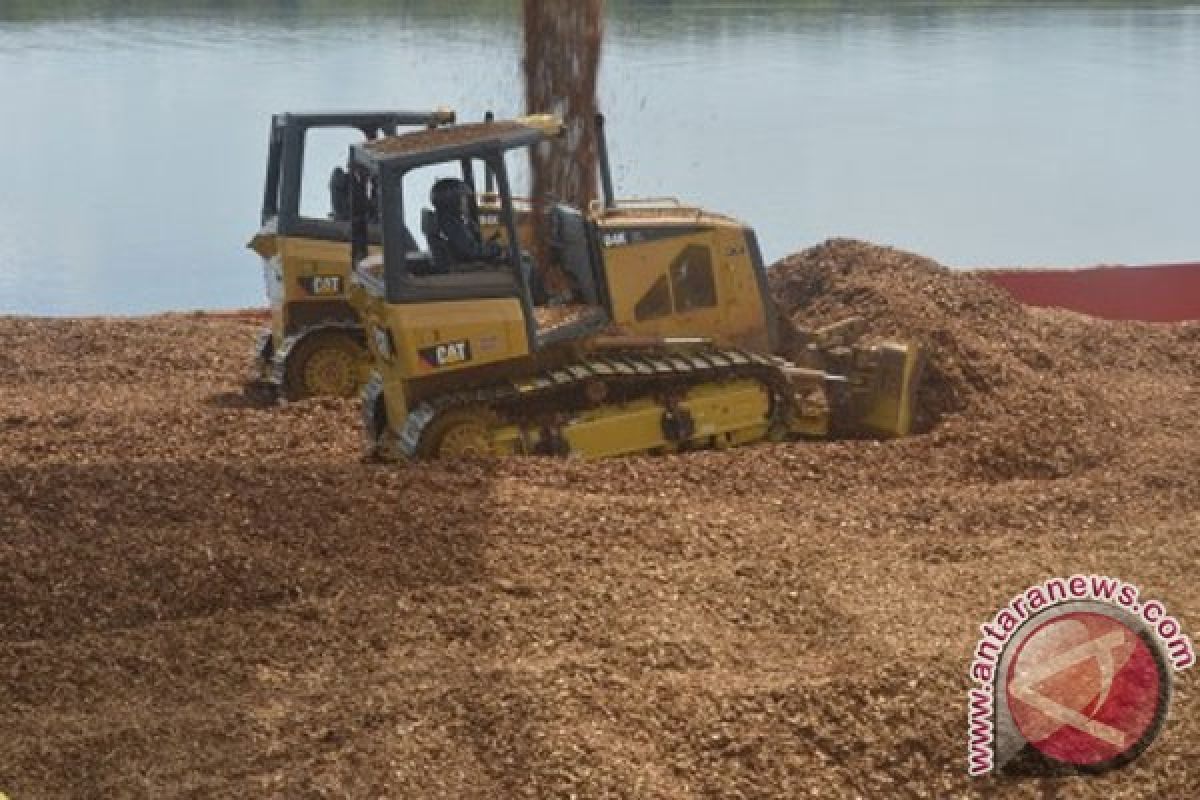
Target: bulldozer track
column 625, row 376
column 268, row 372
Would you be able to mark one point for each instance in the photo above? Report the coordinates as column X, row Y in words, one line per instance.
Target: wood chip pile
column 207, row 598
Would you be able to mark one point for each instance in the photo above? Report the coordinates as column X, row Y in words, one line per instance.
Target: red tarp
column 1162, row 293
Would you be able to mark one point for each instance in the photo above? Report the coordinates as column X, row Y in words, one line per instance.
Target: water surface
column 974, row 132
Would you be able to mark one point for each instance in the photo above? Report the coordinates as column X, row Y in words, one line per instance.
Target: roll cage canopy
column 379, row 166
column 406, row 151
column 285, row 161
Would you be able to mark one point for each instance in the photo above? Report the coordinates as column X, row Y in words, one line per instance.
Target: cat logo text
column 447, row 354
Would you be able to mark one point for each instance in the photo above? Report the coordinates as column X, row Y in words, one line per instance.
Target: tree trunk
column 562, row 58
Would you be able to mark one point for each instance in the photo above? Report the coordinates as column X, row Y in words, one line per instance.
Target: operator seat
column 455, row 239
column 453, row 234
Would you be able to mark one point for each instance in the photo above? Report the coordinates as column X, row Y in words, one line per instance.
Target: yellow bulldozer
column 314, row 343
column 666, row 340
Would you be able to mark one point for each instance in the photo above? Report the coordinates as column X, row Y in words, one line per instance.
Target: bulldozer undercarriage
column 612, row 405
column 327, row 364
column 323, row 361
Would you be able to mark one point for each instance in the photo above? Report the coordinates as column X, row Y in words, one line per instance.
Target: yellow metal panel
column 738, row 319
column 723, row 414
column 719, row 409
column 632, row 269
column 893, row 399
column 492, row 330
column 298, row 258
column 617, row 431
column 743, row 322
column 311, row 257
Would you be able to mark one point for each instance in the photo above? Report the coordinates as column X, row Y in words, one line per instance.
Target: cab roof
column 364, row 118
column 452, row 142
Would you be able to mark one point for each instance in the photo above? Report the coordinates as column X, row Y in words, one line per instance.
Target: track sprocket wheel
column 324, row 365
column 459, row 433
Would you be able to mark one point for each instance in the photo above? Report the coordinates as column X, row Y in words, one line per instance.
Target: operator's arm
column 463, row 245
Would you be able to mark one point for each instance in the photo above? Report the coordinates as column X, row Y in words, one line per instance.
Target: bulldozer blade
column 886, row 399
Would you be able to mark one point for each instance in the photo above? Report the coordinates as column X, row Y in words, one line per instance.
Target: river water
column 977, row 133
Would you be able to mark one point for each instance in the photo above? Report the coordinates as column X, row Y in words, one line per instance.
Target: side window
column 692, row 281
column 655, row 303
column 323, row 195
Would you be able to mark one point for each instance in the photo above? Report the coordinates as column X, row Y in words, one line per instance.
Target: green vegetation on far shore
column 50, row 10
